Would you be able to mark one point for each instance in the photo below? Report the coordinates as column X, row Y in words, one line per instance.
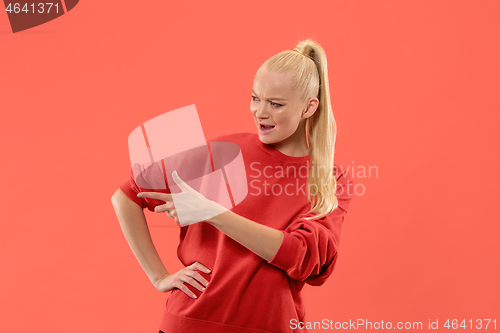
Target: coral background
column 415, row 94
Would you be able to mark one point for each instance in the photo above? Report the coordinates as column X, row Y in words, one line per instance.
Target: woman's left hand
column 187, row 207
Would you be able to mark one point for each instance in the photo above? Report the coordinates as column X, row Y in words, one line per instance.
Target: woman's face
column 276, row 107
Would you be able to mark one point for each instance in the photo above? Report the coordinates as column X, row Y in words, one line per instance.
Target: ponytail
column 308, row 65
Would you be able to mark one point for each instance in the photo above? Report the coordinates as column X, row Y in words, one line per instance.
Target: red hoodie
column 247, row 293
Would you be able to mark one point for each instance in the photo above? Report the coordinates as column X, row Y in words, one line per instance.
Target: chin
column 265, row 139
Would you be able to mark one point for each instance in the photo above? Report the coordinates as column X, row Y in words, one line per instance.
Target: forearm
column 262, row 240
column 135, row 229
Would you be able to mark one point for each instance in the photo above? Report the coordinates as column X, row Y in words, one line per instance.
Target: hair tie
column 305, row 55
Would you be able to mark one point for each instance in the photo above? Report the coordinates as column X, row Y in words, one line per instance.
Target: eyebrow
column 276, row 99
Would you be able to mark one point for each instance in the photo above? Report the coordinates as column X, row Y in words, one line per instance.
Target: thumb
column 179, row 181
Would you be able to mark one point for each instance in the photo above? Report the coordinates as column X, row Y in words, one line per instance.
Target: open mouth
column 266, row 127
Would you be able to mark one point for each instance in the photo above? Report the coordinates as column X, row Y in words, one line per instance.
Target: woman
column 245, row 268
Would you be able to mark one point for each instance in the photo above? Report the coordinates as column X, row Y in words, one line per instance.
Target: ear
column 311, row 107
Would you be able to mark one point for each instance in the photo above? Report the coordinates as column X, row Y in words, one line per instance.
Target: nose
column 261, row 111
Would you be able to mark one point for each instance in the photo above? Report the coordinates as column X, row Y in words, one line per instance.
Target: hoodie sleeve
column 130, row 188
column 308, row 252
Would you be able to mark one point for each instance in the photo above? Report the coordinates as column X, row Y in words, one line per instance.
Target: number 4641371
column 40, row 8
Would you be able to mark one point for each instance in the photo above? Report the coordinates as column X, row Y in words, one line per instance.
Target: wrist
column 217, row 220
column 156, row 282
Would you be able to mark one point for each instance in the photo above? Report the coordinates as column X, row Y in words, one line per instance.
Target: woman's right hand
column 187, row 275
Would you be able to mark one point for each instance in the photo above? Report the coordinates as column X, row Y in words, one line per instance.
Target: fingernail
column 194, row 296
column 139, row 195
column 208, row 271
column 203, row 289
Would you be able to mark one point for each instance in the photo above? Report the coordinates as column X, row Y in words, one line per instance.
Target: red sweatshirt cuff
column 285, row 258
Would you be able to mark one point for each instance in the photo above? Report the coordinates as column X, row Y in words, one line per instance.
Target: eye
column 276, row 105
column 254, row 98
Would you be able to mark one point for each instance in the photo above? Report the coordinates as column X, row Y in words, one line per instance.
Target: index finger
column 200, row 267
column 155, row 195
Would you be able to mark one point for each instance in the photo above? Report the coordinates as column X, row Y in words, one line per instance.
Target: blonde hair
column 307, row 65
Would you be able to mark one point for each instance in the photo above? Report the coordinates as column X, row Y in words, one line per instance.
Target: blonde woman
column 245, row 268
